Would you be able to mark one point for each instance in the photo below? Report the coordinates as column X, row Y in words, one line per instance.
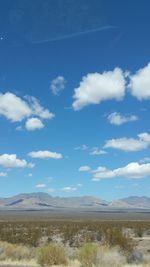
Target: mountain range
column 40, row 200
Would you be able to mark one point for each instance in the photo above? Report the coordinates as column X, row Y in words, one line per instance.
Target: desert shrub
column 51, row 254
column 15, row 252
column 135, row 257
column 35, row 232
column 139, row 231
column 87, row 254
column 115, row 237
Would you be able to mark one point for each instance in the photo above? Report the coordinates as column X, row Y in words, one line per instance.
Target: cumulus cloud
column 17, row 109
column 11, row 161
column 68, row 189
column 13, row 107
column 132, row 170
column 84, row 169
column 57, row 85
column 3, row 174
column 97, row 87
column 34, row 124
column 140, row 83
column 97, row 152
column 40, row 186
column 130, row 144
column 45, row 155
column 118, row 119
column 110, row 85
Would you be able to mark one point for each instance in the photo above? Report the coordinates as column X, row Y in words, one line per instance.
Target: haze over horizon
column 74, row 98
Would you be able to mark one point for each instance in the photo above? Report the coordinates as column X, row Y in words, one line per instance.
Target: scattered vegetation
column 139, row 231
column 52, row 254
column 93, row 243
column 73, row 232
column 87, row 254
column 116, row 237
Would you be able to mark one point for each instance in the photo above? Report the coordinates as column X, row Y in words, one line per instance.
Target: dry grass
column 9, row 262
column 110, row 257
column 89, row 255
column 74, row 263
column 14, row 252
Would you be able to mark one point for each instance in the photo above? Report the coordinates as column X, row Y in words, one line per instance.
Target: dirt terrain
column 77, row 214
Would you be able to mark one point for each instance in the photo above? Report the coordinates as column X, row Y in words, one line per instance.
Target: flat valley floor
column 77, row 214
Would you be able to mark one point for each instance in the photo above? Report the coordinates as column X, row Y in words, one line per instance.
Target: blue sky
column 74, row 98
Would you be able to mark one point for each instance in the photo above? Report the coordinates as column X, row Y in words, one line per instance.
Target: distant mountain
column 45, row 201
column 133, row 201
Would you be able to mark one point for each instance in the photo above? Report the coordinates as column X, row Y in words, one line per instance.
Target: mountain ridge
column 41, row 200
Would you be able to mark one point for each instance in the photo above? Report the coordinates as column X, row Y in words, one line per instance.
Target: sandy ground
column 73, row 264
column 143, row 244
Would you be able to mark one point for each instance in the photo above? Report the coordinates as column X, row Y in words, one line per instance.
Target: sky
column 75, row 98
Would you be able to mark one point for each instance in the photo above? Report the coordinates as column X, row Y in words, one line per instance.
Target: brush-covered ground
column 75, row 243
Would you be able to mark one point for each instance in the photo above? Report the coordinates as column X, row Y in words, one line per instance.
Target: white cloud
column 30, row 174
column 13, row 107
column 84, row 169
column 58, row 85
column 68, row 189
column 45, row 155
column 130, row 144
column 118, row 119
column 3, row 174
column 97, row 152
column 132, row 170
column 34, row 124
column 38, row 110
column 96, row 87
column 82, row 147
column 140, row 83
column 40, row 185
column 16, row 109
column 11, row 161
